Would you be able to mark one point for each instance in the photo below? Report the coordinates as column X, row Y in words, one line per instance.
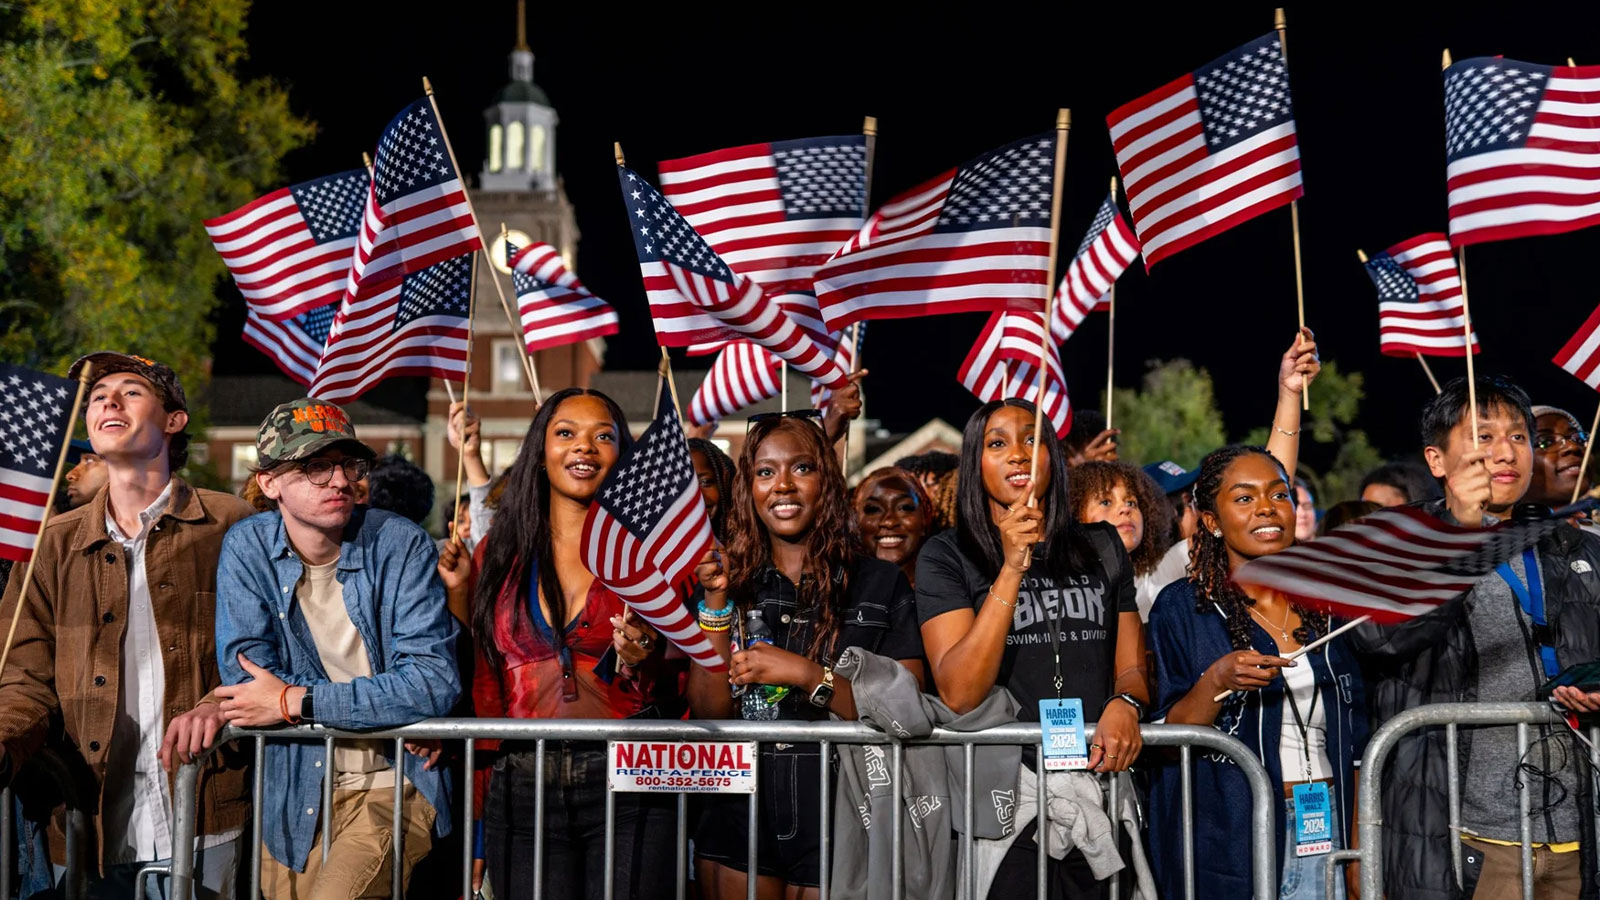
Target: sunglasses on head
column 812, row 415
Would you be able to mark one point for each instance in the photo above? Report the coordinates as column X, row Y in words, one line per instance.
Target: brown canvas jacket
column 67, row 654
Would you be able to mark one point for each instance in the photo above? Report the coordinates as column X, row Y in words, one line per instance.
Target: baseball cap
column 303, row 428
column 77, row 449
column 160, row 376
column 1170, row 477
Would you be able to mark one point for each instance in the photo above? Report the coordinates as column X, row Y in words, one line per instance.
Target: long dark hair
column 722, row 472
column 521, row 532
column 832, row 544
column 1208, row 556
column 1068, row 552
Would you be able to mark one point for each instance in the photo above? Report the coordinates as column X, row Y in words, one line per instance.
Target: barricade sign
column 672, row 767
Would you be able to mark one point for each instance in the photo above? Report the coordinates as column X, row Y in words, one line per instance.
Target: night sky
column 1369, row 114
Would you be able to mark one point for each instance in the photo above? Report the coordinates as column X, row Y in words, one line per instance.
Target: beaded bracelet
column 707, row 613
column 705, row 626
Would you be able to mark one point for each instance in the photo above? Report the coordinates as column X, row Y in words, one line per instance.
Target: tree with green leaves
column 1329, row 442
column 123, row 124
column 1173, row 415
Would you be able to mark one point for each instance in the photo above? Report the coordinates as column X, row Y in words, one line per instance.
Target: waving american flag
column 1520, row 148
column 34, row 423
column 695, row 296
column 555, row 307
column 1103, row 255
column 290, row 251
column 1581, row 354
column 1209, row 150
column 1420, row 309
column 294, row 344
column 1004, row 363
column 743, row 375
column 647, row 529
column 976, row 237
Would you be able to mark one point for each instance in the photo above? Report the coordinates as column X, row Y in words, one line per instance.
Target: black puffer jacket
column 1432, row 659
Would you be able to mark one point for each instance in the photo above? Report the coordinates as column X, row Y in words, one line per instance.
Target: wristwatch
column 1132, row 701
column 822, row 694
column 305, row 707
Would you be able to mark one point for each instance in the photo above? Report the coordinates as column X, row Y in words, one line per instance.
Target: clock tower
column 520, row 189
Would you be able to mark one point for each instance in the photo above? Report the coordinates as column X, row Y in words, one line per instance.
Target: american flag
column 743, row 374
column 417, row 213
column 418, row 325
column 290, row 251
column 974, row 238
column 555, row 307
column 1004, row 363
column 35, row 418
column 774, row 212
column 1395, row 564
column 695, row 296
column 647, row 529
column 1105, row 253
column 295, row 344
column 1520, row 148
column 1210, row 150
column 1419, row 299
column 1581, row 355
column 848, row 344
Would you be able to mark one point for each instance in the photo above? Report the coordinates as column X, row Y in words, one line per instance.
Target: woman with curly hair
column 1304, row 718
column 1122, row 495
column 793, row 570
column 895, row 516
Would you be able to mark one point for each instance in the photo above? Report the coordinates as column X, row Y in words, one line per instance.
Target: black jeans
column 575, row 830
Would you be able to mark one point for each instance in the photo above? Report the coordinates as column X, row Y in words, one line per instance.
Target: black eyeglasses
column 814, row 416
column 1576, row 439
column 320, row 471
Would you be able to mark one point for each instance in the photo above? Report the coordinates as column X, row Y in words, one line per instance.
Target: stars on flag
column 1243, row 93
column 821, row 179
column 411, row 154
column 1490, row 106
column 660, row 232
column 332, row 206
column 1009, row 187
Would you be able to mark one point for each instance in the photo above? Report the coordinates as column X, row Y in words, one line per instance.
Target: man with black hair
column 1398, row 483
column 396, row 484
column 1500, row 641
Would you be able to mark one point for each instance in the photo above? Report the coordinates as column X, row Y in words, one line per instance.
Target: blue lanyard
column 1531, row 597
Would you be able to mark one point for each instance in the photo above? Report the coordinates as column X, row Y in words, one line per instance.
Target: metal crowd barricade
column 827, row 735
column 1451, row 716
column 49, row 764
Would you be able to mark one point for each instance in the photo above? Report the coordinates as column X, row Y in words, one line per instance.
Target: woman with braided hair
column 1305, row 718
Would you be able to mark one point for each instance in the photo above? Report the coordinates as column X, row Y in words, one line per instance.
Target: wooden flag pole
column 1466, row 315
column 1281, row 25
column 44, row 519
column 1359, row 620
column 528, row 366
column 869, row 130
column 494, row 277
column 1111, row 330
column 1362, row 255
column 1063, row 128
column 1588, row 447
column 783, row 385
column 666, row 360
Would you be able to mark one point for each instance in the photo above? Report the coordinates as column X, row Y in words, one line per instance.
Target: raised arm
column 710, row 696
column 1296, row 369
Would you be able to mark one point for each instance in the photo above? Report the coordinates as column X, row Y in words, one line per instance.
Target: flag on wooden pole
column 33, row 431
column 555, row 308
column 1419, row 298
column 1105, row 252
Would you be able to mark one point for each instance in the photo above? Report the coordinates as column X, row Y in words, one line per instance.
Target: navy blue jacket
column 1185, row 643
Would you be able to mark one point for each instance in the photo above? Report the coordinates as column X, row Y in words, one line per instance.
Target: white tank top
column 1300, row 684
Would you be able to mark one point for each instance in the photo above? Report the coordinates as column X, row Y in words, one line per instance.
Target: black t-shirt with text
column 1082, row 606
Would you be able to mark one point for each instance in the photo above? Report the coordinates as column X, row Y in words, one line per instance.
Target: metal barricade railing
column 827, row 735
column 50, row 765
column 1450, row 716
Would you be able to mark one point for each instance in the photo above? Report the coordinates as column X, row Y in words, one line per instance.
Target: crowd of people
column 964, row 590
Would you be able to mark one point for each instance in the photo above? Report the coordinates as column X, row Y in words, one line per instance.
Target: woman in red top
column 599, row 663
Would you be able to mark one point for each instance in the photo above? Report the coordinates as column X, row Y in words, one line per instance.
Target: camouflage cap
column 161, row 377
column 303, row 428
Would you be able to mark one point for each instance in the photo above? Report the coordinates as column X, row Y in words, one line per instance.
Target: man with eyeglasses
column 114, row 647
column 330, row 612
column 1558, row 445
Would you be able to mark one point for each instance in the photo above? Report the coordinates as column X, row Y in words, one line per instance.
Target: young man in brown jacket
column 117, row 636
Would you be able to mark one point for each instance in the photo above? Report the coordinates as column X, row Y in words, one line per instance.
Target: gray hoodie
column 932, row 801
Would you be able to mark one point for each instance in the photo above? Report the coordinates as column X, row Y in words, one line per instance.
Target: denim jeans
column 1304, row 876
column 216, row 872
column 644, row 839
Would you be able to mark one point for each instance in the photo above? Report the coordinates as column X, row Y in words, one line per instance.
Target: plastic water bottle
column 755, row 631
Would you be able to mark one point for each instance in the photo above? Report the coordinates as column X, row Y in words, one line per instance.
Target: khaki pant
column 359, row 858
column 1556, row 876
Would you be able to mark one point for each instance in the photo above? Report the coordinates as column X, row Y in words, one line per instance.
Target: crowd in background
column 964, row 590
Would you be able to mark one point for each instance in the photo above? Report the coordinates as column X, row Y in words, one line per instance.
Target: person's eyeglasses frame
column 1545, row 442
column 810, row 415
column 363, row 468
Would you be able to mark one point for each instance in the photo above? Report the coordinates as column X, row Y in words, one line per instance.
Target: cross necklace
column 1283, row 627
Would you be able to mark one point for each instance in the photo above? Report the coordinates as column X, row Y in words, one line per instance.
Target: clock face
column 497, row 253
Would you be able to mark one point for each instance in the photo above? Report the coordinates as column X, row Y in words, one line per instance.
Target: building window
column 497, row 138
column 536, row 147
column 516, row 138
column 509, row 376
column 502, row 453
column 244, row 459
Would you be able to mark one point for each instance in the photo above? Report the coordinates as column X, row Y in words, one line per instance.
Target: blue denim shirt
column 397, row 603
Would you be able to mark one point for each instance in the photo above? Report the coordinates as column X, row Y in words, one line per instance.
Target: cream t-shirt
column 360, row 765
